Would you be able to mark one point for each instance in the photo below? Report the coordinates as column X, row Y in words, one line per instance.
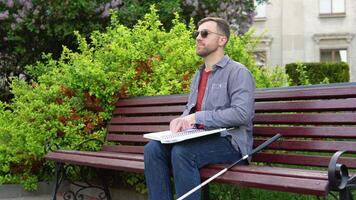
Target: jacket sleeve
column 241, row 110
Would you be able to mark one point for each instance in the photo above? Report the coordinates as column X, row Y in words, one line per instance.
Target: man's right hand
column 182, row 123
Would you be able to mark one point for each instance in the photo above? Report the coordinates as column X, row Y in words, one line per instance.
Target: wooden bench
column 315, row 122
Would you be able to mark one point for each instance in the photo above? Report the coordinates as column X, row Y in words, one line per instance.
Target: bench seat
column 293, row 180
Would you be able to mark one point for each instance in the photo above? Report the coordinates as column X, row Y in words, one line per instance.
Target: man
column 221, row 95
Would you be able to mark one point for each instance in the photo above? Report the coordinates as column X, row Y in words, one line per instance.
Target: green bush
column 315, row 73
column 71, row 98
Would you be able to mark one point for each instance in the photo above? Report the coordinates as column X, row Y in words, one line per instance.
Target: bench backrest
column 315, row 121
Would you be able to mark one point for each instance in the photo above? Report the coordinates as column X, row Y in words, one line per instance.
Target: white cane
column 257, row 149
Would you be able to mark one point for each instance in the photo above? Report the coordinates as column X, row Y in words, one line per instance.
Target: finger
column 187, row 124
column 176, row 125
column 172, row 124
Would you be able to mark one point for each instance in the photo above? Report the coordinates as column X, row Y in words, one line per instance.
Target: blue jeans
column 185, row 159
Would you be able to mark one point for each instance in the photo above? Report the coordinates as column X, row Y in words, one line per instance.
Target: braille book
column 167, row 137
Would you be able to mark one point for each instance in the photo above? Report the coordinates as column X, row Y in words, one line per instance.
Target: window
column 332, row 7
column 333, row 55
column 260, row 10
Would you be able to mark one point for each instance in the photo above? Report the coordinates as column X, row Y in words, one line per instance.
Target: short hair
column 222, row 25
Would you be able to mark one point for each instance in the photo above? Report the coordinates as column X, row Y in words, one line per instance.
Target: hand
column 182, row 123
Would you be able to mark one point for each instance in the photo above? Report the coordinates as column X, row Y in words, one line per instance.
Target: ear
column 222, row 40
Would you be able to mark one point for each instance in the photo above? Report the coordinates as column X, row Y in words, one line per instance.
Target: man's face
column 209, row 44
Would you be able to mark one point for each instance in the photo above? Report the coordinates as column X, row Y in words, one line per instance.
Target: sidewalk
column 16, row 192
column 44, row 197
column 40, row 197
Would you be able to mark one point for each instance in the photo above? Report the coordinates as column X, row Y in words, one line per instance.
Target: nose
column 198, row 38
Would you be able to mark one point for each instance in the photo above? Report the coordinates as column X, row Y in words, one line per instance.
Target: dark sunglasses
column 204, row 33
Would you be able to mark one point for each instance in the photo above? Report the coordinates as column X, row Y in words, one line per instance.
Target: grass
column 230, row 192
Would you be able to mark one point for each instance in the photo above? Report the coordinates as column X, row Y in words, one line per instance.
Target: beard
column 205, row 51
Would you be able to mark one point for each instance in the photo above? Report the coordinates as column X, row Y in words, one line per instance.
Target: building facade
column 306, row 31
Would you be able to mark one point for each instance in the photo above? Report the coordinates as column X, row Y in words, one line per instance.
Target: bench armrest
column 339, row 179
column 338, row 174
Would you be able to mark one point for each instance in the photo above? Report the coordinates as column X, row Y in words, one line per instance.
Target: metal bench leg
column 104, row 180
column 59, row 178
column 345, row 194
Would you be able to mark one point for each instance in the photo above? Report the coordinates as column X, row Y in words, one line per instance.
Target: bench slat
column 278, row 183
column 126, row 138
column 278, row 171
column 137, row 129
column 317, row 146
column 143, row 120
column 304, row 160
column 150, row 110
column 98, row 162
column 296, row 118
column 303, row 106
column 306, row 118
column 123, row 148
column 320, row 131
column 154, row 100
column 105, row 154
column 307, row 92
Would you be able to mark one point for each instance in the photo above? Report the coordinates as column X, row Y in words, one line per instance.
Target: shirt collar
column 222, row 63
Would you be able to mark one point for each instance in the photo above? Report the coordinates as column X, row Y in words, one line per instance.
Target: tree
column 30, row 27
column 239, row 13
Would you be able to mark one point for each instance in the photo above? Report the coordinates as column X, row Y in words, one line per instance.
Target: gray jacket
column 228, row 102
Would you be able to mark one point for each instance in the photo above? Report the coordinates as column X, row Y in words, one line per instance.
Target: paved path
column 40, row 197
column 16, row 192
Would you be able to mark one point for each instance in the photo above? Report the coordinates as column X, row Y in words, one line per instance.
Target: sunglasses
column 204, row 33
